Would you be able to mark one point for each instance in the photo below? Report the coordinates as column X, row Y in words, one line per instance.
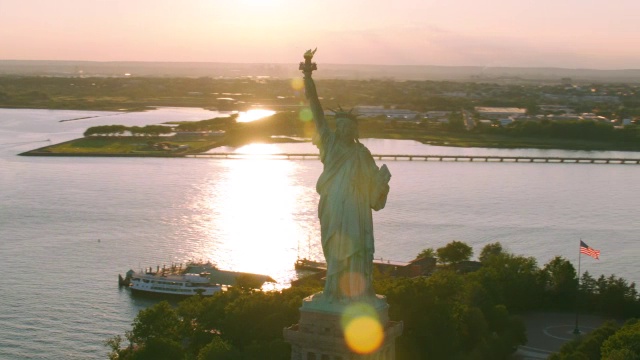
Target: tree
column 114, row 343
column 625, row 343
column 155, row 130
column 454, row 252
column 159, row 349
column 490, row 250
column 108, row 130
column 158, row 321
column 427, row 253
column 616, row 296
column 586, row 347
column 510, row 280
column 456, row 122
column 135, row 130
column 218, row 349
column 532, row 108
column 561, row 281
column 442, row 320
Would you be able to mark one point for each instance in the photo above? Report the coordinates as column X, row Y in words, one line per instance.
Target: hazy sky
column 594, row 34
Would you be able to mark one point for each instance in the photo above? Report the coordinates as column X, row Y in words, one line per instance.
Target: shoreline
column 286, row 128
column 202, row 150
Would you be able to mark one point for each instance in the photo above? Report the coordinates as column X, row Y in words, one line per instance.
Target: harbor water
column 70, row 225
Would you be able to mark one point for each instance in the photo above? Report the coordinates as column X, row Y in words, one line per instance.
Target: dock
column 229, row 278
column 217, row 276
column 439, row 158
column 319, row 266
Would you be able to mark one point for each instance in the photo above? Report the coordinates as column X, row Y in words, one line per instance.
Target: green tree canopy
column 490, row 250
column 158, row 321
column 561, row 281
column 454, row 252
column 427, row 253
column 624, row 344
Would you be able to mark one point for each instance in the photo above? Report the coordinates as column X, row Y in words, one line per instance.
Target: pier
column 453, row 158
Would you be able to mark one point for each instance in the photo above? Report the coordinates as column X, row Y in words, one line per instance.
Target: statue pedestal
column 320, row 333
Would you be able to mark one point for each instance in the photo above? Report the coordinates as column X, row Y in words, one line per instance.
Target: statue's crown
column 341, row 113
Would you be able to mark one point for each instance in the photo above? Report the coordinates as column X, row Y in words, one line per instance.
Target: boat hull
column 173, row 285
column 164, row 295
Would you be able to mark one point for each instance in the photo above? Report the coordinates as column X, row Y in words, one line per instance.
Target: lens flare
column 357, row 310
column 297, row 83
column 364, row 335
column 305, row 114
column 363, row 332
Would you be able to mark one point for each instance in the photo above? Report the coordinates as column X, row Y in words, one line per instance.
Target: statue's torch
column 307, row 66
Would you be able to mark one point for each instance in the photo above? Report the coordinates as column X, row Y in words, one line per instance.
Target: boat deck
column 230, row 278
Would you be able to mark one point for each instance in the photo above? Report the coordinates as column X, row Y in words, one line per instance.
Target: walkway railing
column 463, row 158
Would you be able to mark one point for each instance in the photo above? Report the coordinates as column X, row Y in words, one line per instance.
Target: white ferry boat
column 173, row 284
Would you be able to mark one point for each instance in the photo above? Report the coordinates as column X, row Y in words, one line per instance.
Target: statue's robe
column 348, row 189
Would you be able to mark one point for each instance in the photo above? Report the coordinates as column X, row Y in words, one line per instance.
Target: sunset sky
column 594, row 34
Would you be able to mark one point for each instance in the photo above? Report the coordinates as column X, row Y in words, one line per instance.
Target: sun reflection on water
column 255, row 216
column 259, row 149
column 254, row 114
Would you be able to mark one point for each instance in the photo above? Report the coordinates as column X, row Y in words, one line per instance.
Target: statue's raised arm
column 307, row 68
column 350, row 187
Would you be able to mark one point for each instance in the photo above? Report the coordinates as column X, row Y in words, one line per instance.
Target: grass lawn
column 144, row 146
column 126, row 145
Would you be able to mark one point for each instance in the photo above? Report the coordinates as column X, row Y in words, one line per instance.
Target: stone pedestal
column 320, row 333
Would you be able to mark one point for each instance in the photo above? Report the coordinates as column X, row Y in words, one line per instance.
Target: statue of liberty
column 350, row 186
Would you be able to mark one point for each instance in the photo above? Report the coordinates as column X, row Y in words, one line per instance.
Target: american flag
column 585, row 249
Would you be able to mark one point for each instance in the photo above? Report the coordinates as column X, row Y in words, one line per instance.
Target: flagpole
column 576, row 330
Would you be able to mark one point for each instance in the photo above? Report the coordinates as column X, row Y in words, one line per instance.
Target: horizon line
column 332, row 64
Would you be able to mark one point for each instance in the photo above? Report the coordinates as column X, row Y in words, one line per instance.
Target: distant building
column 567, row 117
column 424, row 266
column 556, row 109
column 583, row 98
column 378, row 111
column 593, row 117
column 458, row 94
column 601, row 98
column 505, row 121
column 437, row 114
column 496, row 113
column 467, row 266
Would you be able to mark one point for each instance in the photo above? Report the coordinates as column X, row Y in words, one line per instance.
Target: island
column 481, row 112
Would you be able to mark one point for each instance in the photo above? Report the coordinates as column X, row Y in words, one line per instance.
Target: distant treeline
column 222, row 123
column 241, row 93
column 571, row 129
column 119, row 130
column 283, row 70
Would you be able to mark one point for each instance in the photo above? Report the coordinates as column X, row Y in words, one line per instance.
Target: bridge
column 461, row 158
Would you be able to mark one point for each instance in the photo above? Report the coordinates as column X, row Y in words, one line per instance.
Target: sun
column 260, row 3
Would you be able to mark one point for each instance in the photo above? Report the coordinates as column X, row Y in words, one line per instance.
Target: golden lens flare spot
column 352, row 284
column 355, row 311
column 297, row 83
column 305, row 115
column 364, row 335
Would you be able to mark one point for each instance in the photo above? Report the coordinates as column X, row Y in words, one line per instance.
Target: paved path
column 547, row 332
